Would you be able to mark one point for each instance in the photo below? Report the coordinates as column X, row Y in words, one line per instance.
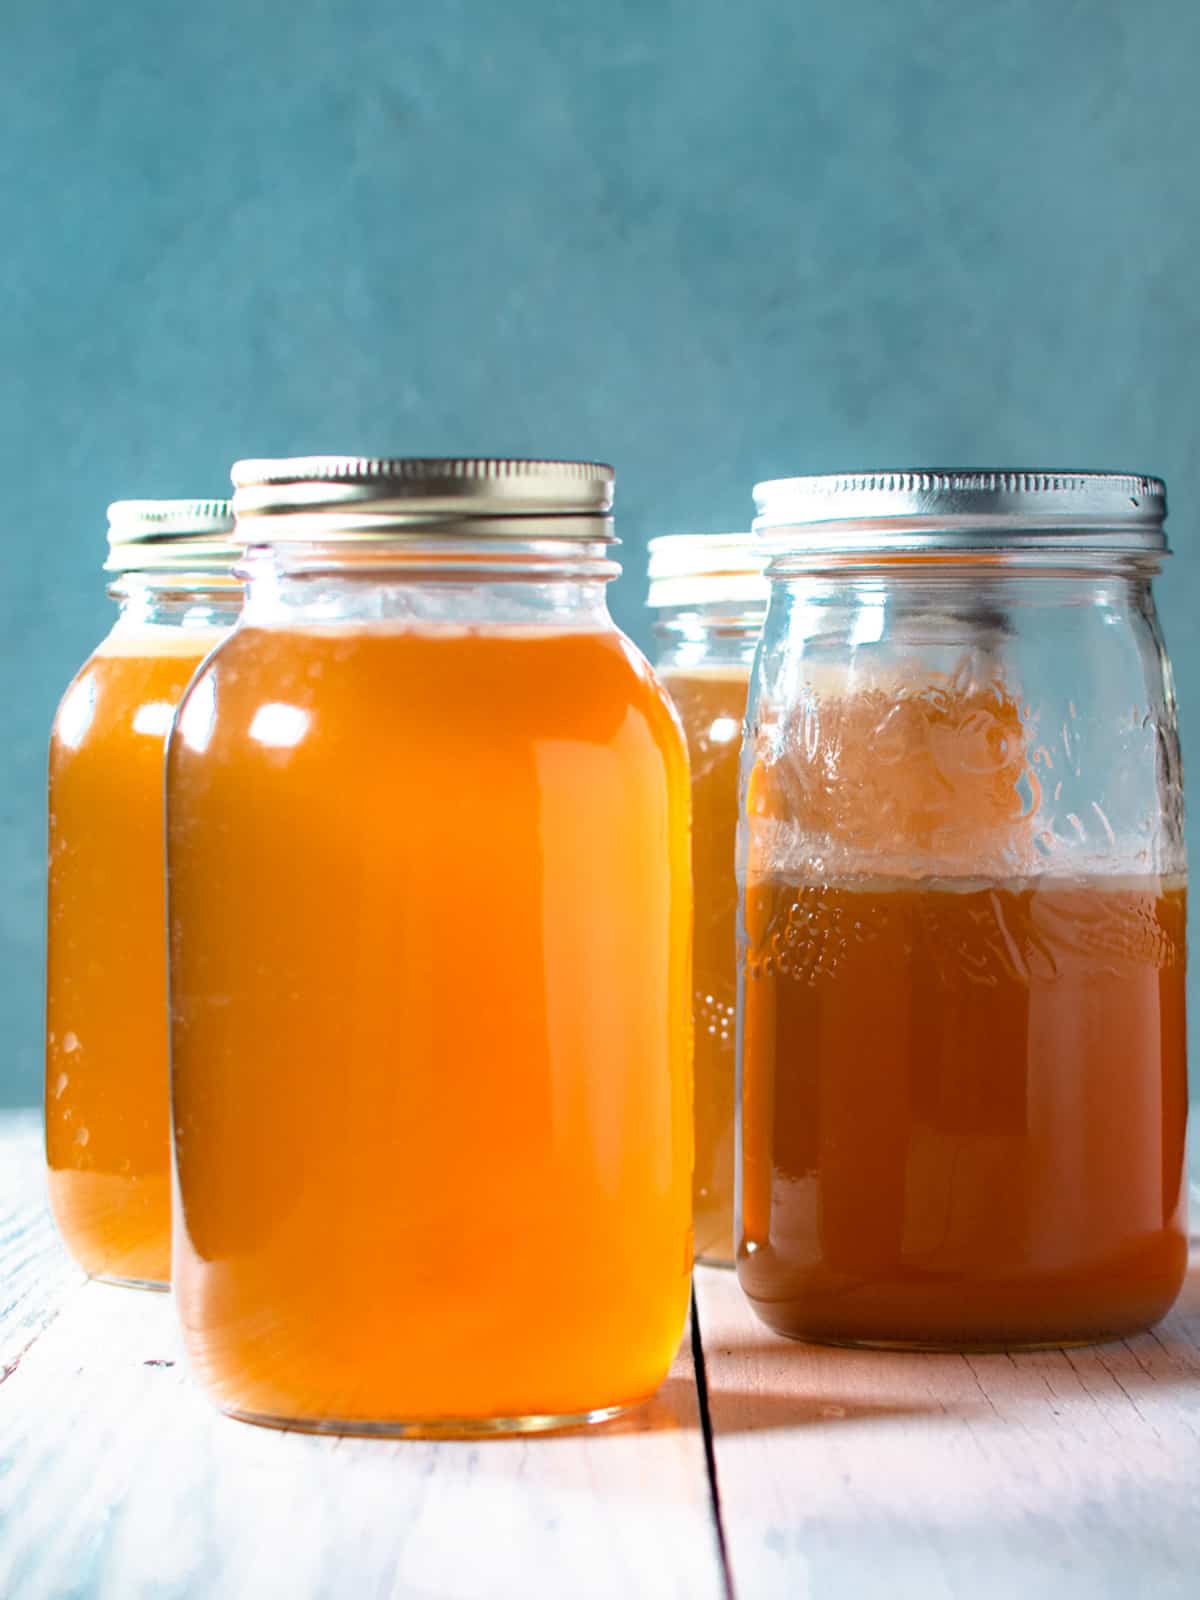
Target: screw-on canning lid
column 191, row 536
column 344, row 498
column 960, row 511
column 705, row 569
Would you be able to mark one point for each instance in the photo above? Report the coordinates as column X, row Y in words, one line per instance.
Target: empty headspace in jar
column 895, row 763
column 901, row 770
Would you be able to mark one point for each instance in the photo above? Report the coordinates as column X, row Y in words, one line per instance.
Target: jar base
column 155, row 1285
column 434, row 1427
column 953, row 1347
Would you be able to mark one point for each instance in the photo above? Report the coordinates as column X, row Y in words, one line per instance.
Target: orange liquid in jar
column 964, row 1089
column 107, row 1139
column 965, row 1108
column 430, row 918
column 712, row 704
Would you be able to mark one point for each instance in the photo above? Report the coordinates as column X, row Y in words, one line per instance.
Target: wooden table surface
column 776, row 1469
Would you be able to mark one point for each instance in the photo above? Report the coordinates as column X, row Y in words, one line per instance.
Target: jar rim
column 171, row 536
column 957, row 509
column 355, row 498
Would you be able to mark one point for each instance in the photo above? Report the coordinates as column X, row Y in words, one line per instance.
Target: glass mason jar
column 430, row 904
column 962, row 1056
column 709, row 595
column 107, row 1137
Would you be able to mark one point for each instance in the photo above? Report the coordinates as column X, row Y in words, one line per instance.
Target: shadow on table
column 675, row 1406
column 759, row 1411
column 903, row 1385
column 758, row 1381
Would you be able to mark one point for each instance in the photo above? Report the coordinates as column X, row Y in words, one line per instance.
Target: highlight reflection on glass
column 279, row 725
column 154, row 718
column 724, row 730
column 198, row 715
column 76, row 712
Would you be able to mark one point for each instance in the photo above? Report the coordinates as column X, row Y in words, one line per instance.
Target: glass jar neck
column 711, row 635
column 176, row 600
column 427, row 583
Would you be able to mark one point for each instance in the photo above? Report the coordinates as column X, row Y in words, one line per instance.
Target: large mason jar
column 961, row 855
column 708, row 595
column 429, row 901
column 107, row 1125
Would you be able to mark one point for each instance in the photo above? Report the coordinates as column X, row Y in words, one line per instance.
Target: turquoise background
column 710, row 243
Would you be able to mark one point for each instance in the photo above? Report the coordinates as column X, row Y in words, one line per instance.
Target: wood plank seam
column 710, row 1453
column 156, row 1494
column 1058, row 1474
column 118, row 1478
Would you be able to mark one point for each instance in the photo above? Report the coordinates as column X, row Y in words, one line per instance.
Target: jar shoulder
column 588, row 686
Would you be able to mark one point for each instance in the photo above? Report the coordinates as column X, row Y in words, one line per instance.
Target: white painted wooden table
column 777, row 1470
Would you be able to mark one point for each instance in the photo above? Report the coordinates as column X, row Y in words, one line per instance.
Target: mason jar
column 961, row 856
column 709, row 594
column 430, row 905
column 107, row 1139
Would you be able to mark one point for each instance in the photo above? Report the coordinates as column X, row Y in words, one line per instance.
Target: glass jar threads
column 107, row 1140
column 963, row 1084
column 709, row 594
column 429, row 901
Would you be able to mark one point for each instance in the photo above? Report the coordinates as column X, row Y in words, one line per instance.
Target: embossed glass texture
column 962, row 950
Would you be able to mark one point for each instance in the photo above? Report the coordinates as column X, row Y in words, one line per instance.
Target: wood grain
column 36, row 1276
column 841, row 1474
column 118, row 1480
column 855, row 1474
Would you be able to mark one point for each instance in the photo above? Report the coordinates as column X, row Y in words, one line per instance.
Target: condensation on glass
column 429, row 900
column 962, row 1051
column 709, row 594
column 107, row 1139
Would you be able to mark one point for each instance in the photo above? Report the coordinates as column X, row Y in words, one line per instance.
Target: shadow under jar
column 709, row 595
column 962, row 1049
column 429, row 901
column 107, row 1122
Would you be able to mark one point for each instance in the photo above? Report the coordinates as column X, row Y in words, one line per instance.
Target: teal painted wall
column 710, row 243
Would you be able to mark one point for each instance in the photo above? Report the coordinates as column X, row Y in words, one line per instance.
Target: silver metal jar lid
column 348, row 498
column 192, row 536
column 704, row 569
column 962, row 511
